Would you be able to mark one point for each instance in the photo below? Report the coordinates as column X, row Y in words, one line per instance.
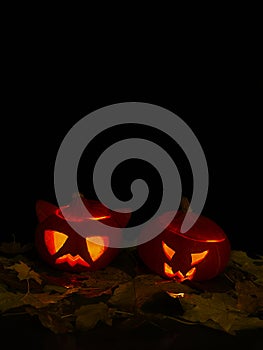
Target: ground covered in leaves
column 126, row 294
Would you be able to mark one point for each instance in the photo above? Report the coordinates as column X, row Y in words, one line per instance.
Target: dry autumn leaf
column 70, row 298
column 123, row 297
column 9, row 300
column 252, row 266
column 87, row 316
column 249, row 296
column 41, row 300
column 25, row 272
column 146, row 286
column 53, row 320
column 219, row 311
column 14, row 248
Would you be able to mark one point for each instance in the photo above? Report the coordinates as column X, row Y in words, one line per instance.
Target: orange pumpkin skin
column 200, row 254
column 60, row 246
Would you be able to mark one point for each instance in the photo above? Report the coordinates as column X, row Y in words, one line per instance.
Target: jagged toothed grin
column 72, row 260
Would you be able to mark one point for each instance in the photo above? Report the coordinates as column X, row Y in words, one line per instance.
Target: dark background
column 210, row 76
column 219, row 97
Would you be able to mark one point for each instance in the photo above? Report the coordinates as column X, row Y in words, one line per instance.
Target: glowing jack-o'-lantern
column 199, row 254
column 59, row 245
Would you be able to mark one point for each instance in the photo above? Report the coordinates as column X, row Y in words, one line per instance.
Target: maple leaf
column 247, row 264
column 249, row 296
column 87, row 316
column 25, row 272
column 219, row 311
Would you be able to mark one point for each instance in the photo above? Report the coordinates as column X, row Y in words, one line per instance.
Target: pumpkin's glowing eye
column 169, row 252
column 198, row 257
column 54, row 240
column 97, row 246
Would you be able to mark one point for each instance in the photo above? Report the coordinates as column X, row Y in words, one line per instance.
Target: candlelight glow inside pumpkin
column 61, row 246
column 196, row 258
column 199, row 254
column 55, row 240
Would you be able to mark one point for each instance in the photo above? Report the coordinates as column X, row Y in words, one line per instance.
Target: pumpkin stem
column 185, row 205
column 77, row 194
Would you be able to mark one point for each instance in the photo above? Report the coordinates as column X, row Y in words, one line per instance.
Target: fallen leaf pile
column 125, row 294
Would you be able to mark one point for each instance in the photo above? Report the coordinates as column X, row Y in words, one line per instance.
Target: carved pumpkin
column 59, row 245
column 199, row 254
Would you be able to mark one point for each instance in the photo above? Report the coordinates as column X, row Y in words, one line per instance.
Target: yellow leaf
column 24, row 272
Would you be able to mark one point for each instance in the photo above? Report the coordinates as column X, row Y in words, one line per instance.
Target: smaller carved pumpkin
column 59, row 245
column 199, row 254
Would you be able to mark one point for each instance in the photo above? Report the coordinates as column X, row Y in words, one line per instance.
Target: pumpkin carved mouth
column 72, row 260
column 196, row 258
column 178, row 275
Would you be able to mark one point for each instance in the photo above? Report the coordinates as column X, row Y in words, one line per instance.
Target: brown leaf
column 9, row 300
column 216, row 310
column 14, row 248
column 249, row 296
column 123, row 297
column 148, row 285
column 145, row 287
column 25, row 272
column 94, row 292
column 246, row 323
column 54, row 288
column 88, row 316
column 105, row 278
column 249, row 265
column 53, row 320
column 4, row 261
column 41, row 300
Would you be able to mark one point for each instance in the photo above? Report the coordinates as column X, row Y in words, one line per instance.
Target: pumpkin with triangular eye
column 62, row 247
column 199, row 254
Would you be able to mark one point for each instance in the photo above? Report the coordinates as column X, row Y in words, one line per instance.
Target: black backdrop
column 219, row 98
